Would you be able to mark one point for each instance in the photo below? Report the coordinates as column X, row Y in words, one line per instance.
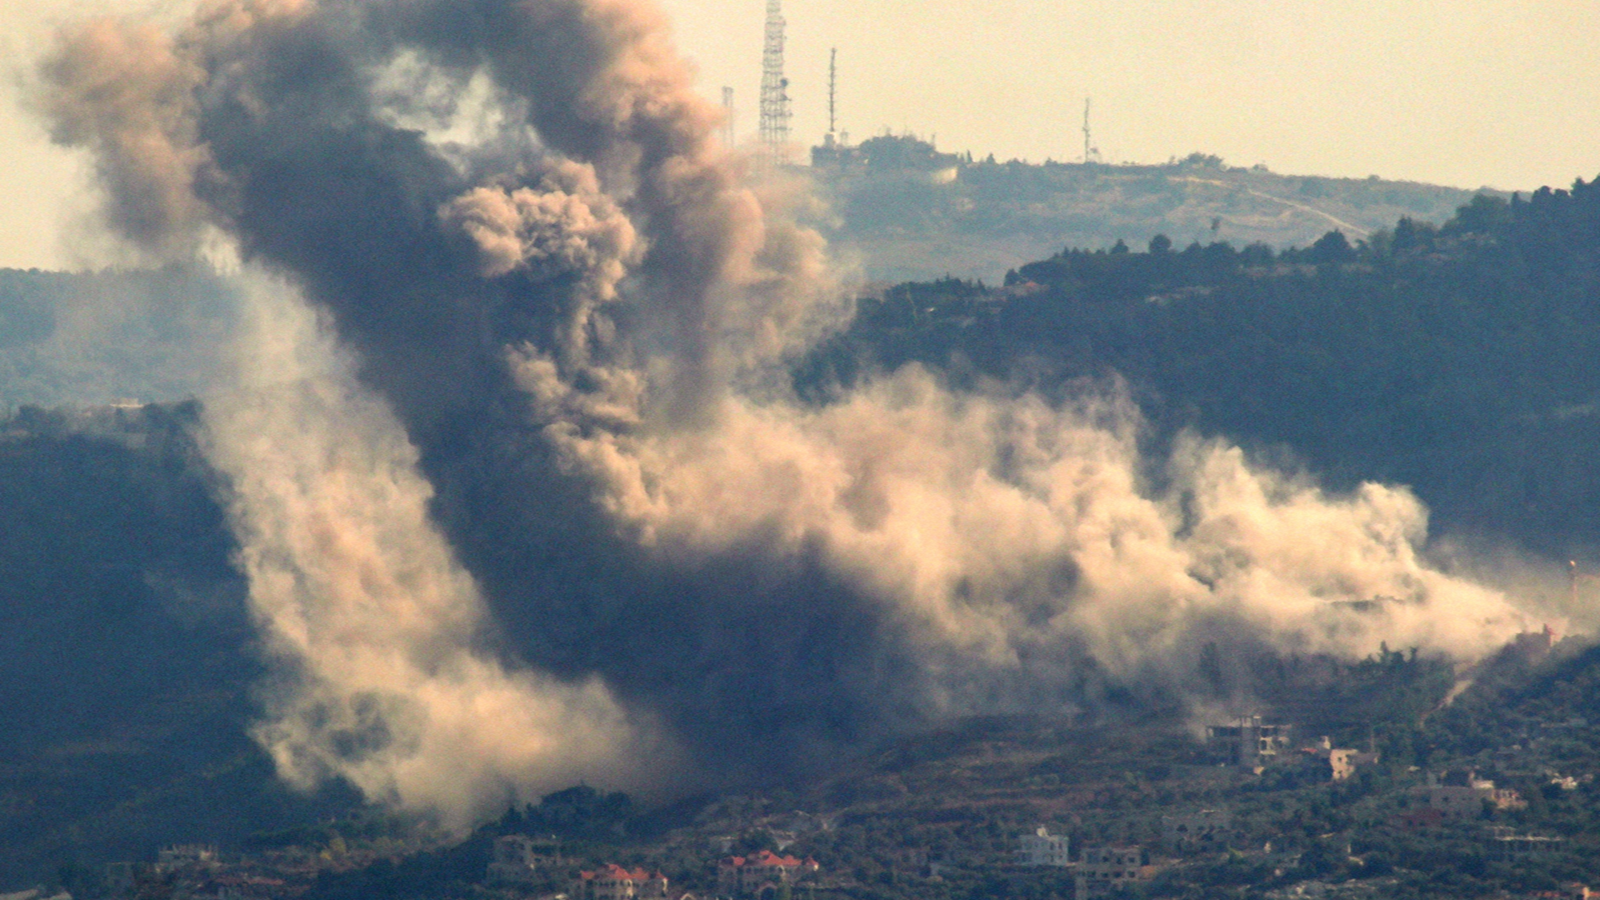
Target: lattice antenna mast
column 728, row 132
column 774, row 87
column 833, row 84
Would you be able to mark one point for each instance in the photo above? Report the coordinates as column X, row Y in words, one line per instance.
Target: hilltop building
column 835, row 155
column 1534, row 645
column 887, row 154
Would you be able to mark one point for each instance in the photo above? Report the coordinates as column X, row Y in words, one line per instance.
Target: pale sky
column 1503, row 93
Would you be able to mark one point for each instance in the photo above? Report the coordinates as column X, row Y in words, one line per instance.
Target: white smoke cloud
column 359, row 598
column 1006, row 529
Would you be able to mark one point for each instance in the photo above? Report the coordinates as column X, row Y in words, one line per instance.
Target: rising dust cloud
column 484, row 232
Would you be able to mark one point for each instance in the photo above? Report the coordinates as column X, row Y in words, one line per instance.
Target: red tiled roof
column 768, row 858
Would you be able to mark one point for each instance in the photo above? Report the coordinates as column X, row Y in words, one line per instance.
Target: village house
column 759, row 871
column 1204, row 831
column 1248, row 741
column 1041, row 848
column 1103, row 870
column 186, row 857
column 1344, row 762
column 613, row 882
column 518, row 859
column 1462, row 795
column 1534, row 645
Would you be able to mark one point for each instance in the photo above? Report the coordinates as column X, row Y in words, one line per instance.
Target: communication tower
column 728, row 132
column 774, row 87
column 833, row 84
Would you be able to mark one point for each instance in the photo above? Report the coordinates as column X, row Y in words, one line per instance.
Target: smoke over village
column 534, row 479
column 520, row 485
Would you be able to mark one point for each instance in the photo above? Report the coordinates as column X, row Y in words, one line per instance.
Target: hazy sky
column 1504, row 93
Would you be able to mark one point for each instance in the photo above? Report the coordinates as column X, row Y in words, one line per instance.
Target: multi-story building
column 518, row 859
column 1043, row 849
column 1202, row 831
column 749, row 874
column 1463, row 795
column 613, row 882
column 1104, row 869
column 1249, row 741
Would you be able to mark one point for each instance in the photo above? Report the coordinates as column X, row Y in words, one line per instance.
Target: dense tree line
column 1457, row 359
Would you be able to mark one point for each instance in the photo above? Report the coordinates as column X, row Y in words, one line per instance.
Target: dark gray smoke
column 565, row 314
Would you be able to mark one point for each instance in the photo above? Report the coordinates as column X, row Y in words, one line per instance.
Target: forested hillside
column 126, row 654
column 1460, row 360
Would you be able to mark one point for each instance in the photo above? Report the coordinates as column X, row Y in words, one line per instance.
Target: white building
column 1043, row 849
column 1462, row 795
column 1344, row 762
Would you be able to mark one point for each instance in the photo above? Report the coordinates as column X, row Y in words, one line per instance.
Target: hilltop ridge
column 907, row 211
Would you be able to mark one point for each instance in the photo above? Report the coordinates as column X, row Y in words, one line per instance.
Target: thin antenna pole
column 729, row 134
column 1088, row 146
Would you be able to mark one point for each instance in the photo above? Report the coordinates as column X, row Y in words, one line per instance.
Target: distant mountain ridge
column 907, row 212
column 95, row 338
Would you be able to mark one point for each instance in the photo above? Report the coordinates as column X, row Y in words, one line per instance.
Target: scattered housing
column 613, row 882
column 757, row 872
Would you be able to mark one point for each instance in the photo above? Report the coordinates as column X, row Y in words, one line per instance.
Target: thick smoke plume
column 581, row 313
column 378, row 629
